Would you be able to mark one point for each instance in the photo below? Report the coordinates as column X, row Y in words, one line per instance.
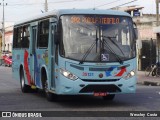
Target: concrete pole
column 3, row 28
column 158, row 34
column 157, row 12
column 46, row 6
column 0, row 47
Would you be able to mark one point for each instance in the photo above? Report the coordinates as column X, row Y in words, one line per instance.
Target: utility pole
column 46, row 6
column 3, row 28
column 157, row 11
column 157, row 24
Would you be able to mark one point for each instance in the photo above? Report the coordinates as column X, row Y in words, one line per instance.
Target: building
column 149, row 54
column 8, row 37
column 0, row 44
column 132, row 10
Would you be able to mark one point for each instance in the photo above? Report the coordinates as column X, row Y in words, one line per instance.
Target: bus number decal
column 87, row 74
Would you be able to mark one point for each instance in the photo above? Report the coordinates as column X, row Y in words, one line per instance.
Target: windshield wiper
column 110, row 38
column 89, row 50
column 109, row 47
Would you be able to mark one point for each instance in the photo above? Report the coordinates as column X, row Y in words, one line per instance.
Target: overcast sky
column 20, row 9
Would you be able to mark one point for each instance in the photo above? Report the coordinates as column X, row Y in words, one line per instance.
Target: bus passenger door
column 52, row 56
column 32, row 55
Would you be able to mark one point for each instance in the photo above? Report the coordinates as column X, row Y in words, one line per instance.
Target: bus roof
column 73, row 11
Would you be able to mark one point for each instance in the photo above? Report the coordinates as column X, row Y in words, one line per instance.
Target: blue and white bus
column 76, row 52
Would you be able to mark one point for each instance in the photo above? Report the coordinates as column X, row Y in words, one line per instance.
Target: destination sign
column 95, row 20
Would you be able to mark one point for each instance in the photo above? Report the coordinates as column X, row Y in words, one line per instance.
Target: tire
column 109, row 97
column 5, row 65
column 50, row 96
column 158, row 71
column 24, row 88
column 148, row 71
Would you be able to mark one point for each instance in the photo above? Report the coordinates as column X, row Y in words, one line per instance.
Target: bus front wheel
column 50, row 96
column 109, row 97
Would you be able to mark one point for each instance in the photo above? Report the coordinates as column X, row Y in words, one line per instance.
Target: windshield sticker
column 105, row 57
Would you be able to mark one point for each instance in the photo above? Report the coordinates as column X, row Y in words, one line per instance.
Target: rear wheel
column 25, row 88
column 109, row 97
column 5, row 64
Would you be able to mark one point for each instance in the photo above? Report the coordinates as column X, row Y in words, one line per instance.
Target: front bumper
column 79, row 87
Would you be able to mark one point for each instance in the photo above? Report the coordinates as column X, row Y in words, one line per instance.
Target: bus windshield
column 97, row 37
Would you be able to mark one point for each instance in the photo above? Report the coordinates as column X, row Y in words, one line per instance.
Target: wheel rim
column 22, row 82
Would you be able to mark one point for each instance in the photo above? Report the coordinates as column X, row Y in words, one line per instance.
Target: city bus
column 76, row 52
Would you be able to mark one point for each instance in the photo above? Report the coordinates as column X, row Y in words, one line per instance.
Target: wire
column 107, row 3
column 7, row 21
column 114, row 2
column 43, row 3
column 123, row 4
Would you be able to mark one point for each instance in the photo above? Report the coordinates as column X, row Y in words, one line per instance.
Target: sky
column 17, row 10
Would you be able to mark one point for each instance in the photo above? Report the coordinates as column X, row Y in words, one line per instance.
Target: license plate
column 100, row 94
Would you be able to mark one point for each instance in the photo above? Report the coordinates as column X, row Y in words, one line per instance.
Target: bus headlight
column 129, row 75
column 68, row 74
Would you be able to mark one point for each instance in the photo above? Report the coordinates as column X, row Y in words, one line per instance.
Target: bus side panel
column 41, row 60
column 22, row 58
column 18, row 61
column 16, row 58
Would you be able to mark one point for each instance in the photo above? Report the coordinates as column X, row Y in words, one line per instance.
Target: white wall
column 8, row 41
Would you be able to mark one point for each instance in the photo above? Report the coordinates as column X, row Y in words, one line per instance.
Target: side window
column 20, row 36
column 26, row 37
column 43, row 34
column 15, row 42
